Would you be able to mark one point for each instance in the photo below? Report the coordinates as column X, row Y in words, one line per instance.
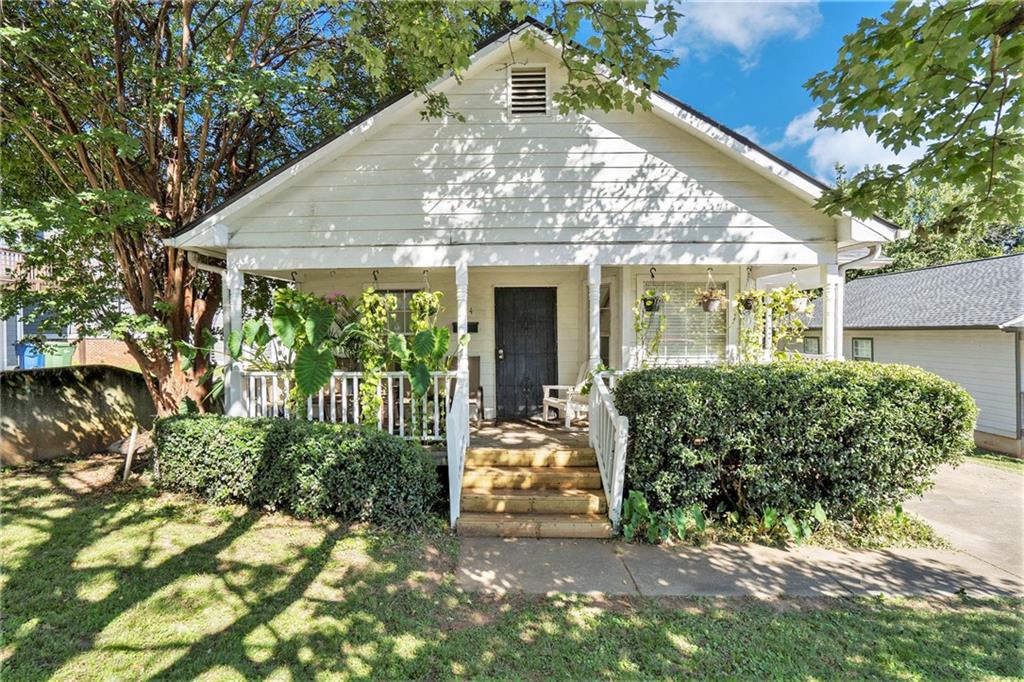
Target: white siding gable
column 499, row 178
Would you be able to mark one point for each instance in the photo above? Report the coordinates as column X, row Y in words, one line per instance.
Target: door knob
column 501, row 353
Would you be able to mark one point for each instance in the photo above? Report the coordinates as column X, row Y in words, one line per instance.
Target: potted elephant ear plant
column 710, row 299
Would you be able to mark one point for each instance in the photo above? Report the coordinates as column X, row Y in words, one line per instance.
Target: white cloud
column 742, row 26
column 750, row 132
column 855, row 149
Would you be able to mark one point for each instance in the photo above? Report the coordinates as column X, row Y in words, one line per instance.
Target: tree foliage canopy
column 123, row 121
column 944, row 77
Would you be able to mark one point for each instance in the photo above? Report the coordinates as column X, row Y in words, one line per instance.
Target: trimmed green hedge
column 308, row 469
column 857, row 437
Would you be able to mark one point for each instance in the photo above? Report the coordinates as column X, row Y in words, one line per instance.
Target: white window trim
column 853, row 348
column 732, row 282
column 809, row 337
column 387, row 287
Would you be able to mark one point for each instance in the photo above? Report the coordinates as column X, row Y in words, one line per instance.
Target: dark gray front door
column 526, row 353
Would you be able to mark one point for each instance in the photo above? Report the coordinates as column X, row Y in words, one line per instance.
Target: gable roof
column 784, row 173
column 978, row 293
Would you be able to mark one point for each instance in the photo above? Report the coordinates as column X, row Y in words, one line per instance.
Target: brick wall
column 104, row 352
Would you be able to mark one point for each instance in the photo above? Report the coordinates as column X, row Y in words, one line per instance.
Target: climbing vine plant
column 789, row 309
column 375, row 314
column 649, row 325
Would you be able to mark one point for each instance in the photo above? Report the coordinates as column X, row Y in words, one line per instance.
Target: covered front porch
column 536, row 326
column 534, row 332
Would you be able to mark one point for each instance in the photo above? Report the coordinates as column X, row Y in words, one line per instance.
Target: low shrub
column 308, row 469
column 853, row 437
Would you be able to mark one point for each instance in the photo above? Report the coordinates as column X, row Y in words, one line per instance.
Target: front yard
column 107, row 581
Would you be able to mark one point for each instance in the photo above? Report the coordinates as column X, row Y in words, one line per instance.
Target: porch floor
column 526, row 434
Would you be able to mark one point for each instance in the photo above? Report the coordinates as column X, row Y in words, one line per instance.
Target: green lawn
column 997, row 460
column 104, row 582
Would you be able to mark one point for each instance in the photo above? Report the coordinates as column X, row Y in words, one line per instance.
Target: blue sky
column 744, row 64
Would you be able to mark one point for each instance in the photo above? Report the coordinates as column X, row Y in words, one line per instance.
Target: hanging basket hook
column 375, row 273
column 653, row 270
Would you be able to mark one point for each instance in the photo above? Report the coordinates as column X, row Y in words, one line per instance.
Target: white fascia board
column 441, row 255
column 1014, row 325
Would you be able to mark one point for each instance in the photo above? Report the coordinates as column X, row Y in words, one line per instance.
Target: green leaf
column 262, row 336
column 769, row 518
column 187, row 353
column 398, row 347
column 313, row 369
column 423, row 344
column 442, row 340
column 286, row 324
column 698, row 518
column 819, row 513
column 235, row 343
column 249, row 328
column 318, row 323
column 419, row 379
column 791, row 526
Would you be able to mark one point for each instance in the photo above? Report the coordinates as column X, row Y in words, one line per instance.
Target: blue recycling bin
column 29, row 357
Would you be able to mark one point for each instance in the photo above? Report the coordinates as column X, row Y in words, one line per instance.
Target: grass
column 884, row 531
column 112, row 582
column 996, row 460
column 889, row 530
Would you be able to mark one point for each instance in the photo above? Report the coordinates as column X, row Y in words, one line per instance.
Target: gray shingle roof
column 979, row 293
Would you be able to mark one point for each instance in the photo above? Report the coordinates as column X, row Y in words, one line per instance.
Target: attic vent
column 529, row 90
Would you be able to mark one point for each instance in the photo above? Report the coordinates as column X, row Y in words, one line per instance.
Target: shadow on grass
column 125, row 583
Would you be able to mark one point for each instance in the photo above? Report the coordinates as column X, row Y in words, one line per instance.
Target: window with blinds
column 529, row 91
column 402, row 323
column 691, row 335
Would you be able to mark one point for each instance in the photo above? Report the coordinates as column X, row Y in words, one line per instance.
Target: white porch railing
column 267, row 394
column 609, row 435
column 457, row 424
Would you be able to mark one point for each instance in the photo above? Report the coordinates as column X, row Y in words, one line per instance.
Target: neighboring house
column 541, row 228
column 88, row 350
column 963, row 321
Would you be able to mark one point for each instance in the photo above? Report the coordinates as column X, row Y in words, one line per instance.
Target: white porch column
column 594, row 292
column 462, row 315
column 627, row 333
column 234, row 403
column 839, row 302
column 831, row 325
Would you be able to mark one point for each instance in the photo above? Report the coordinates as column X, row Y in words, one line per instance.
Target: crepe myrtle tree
column 123, row 121
column 944, row 77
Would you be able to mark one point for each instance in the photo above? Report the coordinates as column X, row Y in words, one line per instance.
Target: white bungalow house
column 542, row 229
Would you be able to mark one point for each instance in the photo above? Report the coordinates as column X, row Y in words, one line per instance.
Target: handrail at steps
column 609, row 436
column 457, row 431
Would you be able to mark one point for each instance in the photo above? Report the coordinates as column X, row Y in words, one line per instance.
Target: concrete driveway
column 979, row 509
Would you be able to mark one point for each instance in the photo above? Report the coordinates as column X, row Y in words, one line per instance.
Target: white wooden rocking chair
column 571, row 404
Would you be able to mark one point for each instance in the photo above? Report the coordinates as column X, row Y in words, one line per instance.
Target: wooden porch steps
column 552, row 492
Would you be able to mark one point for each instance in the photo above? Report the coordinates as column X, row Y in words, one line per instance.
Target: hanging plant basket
column 746, row 301
column 652, row 304
column 710, row 300
column 799, row 304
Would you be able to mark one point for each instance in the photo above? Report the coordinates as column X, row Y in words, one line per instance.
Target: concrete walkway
column 500, row 566
column 979, row 509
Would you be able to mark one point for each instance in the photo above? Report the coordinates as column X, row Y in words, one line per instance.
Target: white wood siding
column 494, row 179
column 982, row 361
